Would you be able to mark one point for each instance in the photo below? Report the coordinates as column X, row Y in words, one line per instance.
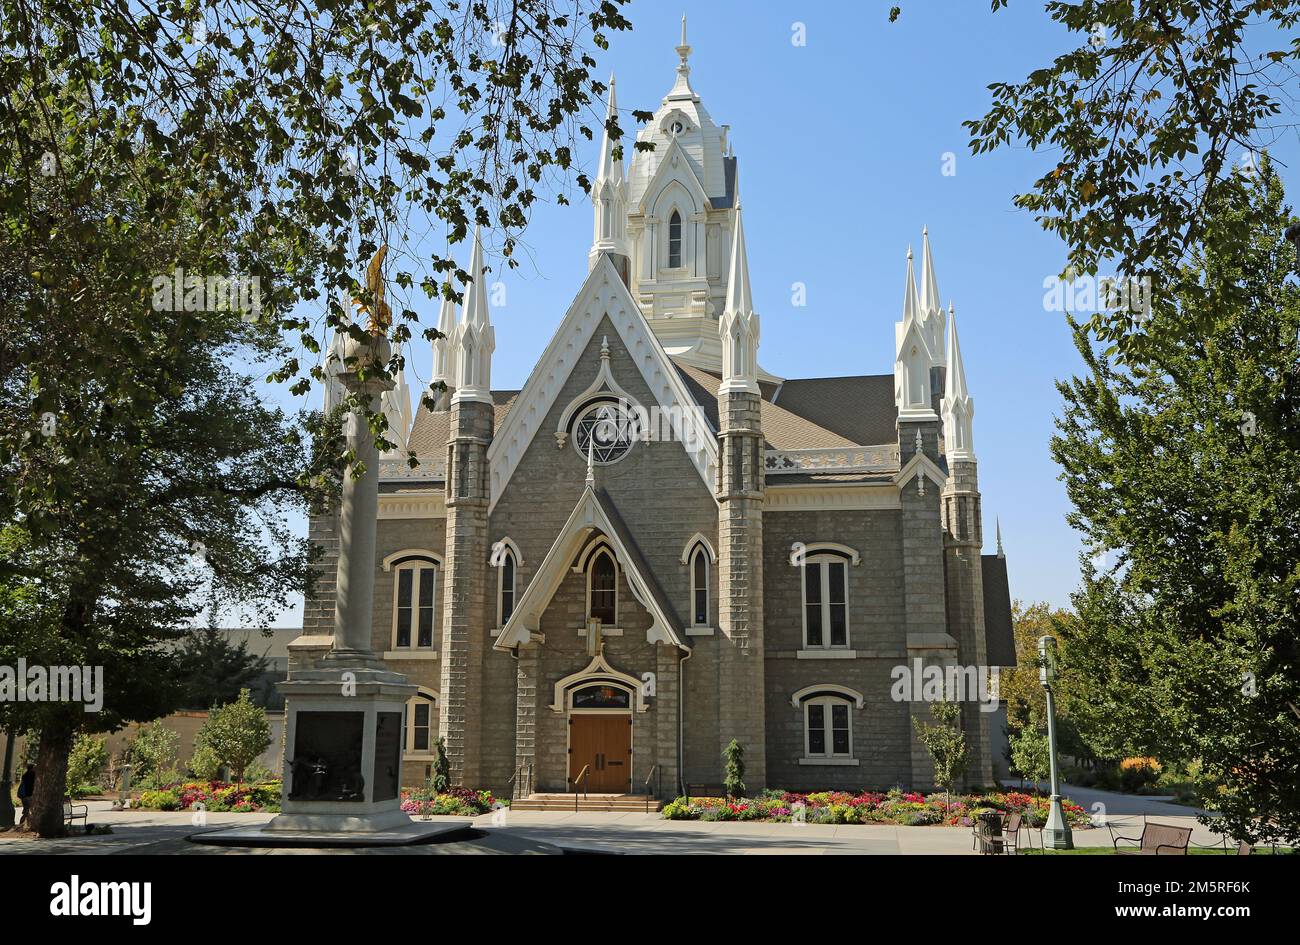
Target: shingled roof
column 799, row 414
column 997, row 612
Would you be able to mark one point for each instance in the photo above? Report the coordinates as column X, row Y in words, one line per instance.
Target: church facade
column 657, row 545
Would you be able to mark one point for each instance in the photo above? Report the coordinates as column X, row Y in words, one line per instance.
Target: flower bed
column 457, row 802
column 216, row 796
column 909, row 809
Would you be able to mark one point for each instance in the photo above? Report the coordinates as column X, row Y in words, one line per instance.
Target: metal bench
column 1156, row 840
column 74, row 812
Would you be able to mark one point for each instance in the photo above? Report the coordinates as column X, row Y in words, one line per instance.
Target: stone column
column 465, row 589
column 741, row 692
column 963, row 543
column 359, row 510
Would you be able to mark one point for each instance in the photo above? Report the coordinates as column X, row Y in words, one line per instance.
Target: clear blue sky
column 841, row 146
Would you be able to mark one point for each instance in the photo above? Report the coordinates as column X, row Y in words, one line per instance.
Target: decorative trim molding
column 831, row 498
column 431, row 467
column 846, row 762
column 826, row 654
column 834, row 547
column 883, row 458
column 400, row 505
column 597, row 670
column 425, row 553
column 698, row 539
column 797, row 698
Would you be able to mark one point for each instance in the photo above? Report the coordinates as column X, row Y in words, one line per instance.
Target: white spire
column 912, row 356
column 738, row 328
column 591, row 458
column 682, row 87
column 609, row 196
column 475, row 339
column 444, row 367
column 335, row 392
column 396, row 405
column 958, row 405
column 931, row 308
column 1001, row 553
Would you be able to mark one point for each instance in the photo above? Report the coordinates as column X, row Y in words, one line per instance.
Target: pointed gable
column 603, row 295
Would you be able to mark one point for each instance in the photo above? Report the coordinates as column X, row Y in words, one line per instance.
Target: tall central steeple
column 681, row 198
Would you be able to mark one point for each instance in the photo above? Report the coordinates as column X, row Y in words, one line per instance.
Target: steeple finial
column 1001, row 553
column 591, row 459
column 958, row 405
column 475, row 338
column 931, row 307
column 608, row 195
column 911, row 305
column 682, row 87
column 738, row 327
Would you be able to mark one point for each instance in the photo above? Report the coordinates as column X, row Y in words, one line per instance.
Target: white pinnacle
column 611, row 168
column 475, row 310
column 956, row 382
column 739, row 296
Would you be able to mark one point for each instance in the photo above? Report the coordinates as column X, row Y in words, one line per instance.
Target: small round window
column 678, row 127
column 609, row 428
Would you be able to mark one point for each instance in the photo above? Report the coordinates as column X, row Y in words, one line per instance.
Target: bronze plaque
column 325, row 758
column 388, row 755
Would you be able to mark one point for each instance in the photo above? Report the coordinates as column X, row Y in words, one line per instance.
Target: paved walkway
column 588, row 831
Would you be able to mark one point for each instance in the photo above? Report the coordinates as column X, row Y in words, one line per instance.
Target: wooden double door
column 602, row 743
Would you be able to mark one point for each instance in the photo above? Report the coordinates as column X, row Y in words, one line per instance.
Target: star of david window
column 610, row 428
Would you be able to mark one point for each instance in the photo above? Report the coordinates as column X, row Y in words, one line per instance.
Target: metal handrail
column 584, row 773
column 658, row 784
column 517, row 782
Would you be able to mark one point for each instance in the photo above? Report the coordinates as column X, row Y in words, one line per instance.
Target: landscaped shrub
column 86, row 763
column 907, row 808
column 457, row 802
column 160, row 800
column 1138, row 773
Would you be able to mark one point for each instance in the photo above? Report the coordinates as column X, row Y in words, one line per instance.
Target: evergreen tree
column 1185, row 471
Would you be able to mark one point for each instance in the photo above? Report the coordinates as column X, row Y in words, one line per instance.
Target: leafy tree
column 236, row 734
column 86, row 763
column 151, row 753
column 1031, row 754
column 274, row 146
column 1187, row 473
column 213, row 669
column 945, row 742
column 1020, row 686
column 733, row 774
column 204, row 763
column 1151, row 120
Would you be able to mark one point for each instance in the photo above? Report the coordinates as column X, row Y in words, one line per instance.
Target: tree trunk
column 51, row 779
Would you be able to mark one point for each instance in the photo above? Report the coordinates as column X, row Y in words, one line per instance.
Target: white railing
column 847, row 459
column 399, row 470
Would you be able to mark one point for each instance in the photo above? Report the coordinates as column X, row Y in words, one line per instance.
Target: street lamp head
column 1046, row 661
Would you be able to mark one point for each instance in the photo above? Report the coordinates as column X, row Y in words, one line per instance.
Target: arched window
column 415, row 580
column 602, row 588
column 420, row 726
column 825, row 598
column 675, row 241
column 828, row 728
column 505, row 587
column 700, row 587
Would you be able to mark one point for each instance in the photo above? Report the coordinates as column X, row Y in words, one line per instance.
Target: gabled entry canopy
column 594, row 514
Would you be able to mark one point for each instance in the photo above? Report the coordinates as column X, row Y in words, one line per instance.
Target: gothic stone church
column 658, row 545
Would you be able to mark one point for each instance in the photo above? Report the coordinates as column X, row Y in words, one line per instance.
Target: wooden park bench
column 74, row 812
column 1156, row 840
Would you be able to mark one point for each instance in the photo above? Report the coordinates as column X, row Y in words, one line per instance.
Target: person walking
column 25, row 788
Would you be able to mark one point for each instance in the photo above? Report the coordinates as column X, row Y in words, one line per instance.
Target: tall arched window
column 506, row 588
column 602, row 588
column 421, row 727
column 415, row 580
column 825, row 597
column 700, row 587
column 675, row 241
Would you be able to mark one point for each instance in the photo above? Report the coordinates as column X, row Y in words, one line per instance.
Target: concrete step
column 614, row 803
